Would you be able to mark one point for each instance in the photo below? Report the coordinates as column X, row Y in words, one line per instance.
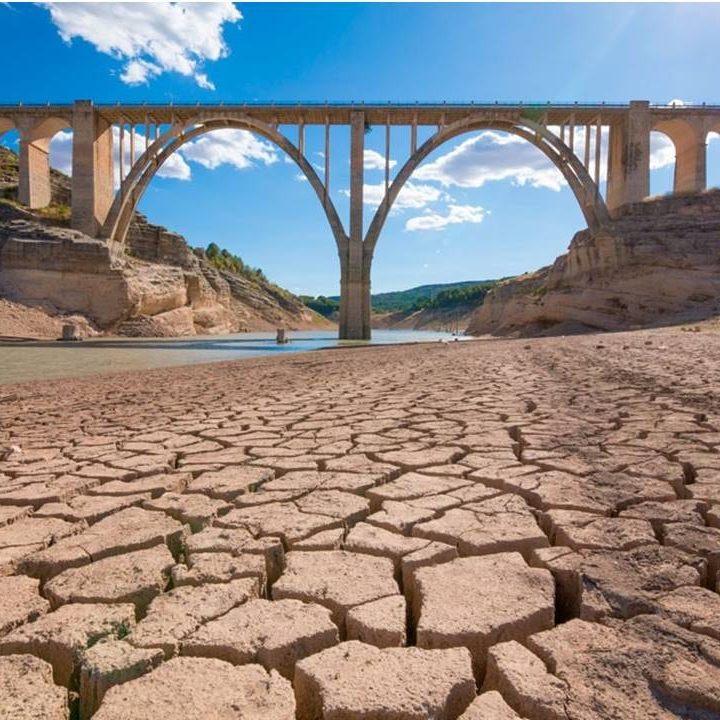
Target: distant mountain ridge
column 401, row 300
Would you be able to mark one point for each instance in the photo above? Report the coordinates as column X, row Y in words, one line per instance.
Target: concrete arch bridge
column 589, row 144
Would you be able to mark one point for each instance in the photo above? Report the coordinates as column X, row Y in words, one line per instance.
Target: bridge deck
column 375, row 113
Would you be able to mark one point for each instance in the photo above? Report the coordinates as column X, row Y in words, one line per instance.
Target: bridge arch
column 133, row 186
column 662, row 164
column 712, row 155
column 586, row 191
column 689, row 140
column 35, row 135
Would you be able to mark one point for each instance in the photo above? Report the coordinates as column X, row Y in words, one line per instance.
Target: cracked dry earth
column 485, row 531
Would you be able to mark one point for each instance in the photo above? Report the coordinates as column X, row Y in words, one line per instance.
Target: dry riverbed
column 515, row 529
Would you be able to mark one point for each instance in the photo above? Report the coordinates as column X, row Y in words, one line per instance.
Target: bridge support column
column 354, row 294
column 629, row 159
column 92, row 178
column 34, row 172
column 690, row 174
column 354, row 265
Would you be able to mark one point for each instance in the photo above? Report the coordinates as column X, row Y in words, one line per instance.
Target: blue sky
column 482, row 207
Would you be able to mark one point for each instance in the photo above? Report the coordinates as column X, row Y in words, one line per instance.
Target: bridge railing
column 365, row 103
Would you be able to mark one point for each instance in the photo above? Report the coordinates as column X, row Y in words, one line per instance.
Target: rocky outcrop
column 156, row 286
column 657, row 263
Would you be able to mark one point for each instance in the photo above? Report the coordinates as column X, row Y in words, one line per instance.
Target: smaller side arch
column 586, row 191
column 689, row 139
column 46, row 129
column 134, row 185
column 712, row 155
column 34, row 187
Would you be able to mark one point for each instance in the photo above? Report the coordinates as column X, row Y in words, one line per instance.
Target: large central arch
column 586, row 191
column 133, row 186
column 355, row 252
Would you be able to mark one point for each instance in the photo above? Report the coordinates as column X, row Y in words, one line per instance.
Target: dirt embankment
column 454, row 319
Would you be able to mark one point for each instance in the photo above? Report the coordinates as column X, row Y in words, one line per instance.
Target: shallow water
column 38, row 360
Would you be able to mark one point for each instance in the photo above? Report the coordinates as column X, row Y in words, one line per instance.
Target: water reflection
column 48, row 359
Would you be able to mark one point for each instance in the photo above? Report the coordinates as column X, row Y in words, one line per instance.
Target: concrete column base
column 355, row 300
column 92, row 176
column 355, row 326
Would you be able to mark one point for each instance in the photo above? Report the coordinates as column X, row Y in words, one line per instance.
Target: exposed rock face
column 656, row 264
column 155, row 286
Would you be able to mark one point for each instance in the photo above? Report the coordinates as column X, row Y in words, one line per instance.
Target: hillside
column 448, row 309
column 159, row 285
column 656, row 264
column 444, row 306
column 403, row 300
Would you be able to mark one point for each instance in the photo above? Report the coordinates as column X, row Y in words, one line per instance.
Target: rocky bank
column 158, row 286
column 657, row 263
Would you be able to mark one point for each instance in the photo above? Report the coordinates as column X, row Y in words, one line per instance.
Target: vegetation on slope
column 455, row 297
column 8, row 166
column 435, row 297
column 325, row 306
column 413, row 299
column 223, row 259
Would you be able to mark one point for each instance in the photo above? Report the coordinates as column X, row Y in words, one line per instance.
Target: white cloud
column 229, row 146
column 301, row 177
column 150, row 37
column 373, row 160
column 662, row 151
column 492, row 156
column 139, row 72
column 204, row 82
column 61, row 152
column 456, row 214
column 412, row 195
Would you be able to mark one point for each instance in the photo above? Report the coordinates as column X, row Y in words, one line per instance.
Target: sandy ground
column 514, row 529
column 21, row 321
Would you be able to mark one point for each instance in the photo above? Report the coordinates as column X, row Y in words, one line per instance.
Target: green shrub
column 223, row 259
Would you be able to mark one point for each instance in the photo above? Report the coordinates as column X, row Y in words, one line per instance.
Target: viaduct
column 589, row 144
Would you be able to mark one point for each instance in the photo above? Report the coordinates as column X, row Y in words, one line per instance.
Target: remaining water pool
column 37, row 360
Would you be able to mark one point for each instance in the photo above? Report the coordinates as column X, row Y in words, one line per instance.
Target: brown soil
column 506, row 529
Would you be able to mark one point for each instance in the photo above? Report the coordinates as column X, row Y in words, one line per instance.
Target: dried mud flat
column 485, row 531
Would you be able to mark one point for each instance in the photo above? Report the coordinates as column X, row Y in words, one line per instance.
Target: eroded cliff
column 658, row 263
column 156, row 286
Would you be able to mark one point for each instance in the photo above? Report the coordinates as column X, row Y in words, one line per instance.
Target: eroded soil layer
column 510, row 529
